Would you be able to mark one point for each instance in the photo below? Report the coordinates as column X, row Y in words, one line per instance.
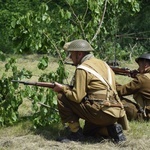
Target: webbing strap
column 109, row 74
column 94, row 73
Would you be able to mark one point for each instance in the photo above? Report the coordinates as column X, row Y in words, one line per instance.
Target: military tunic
column 140, row 88
column 73, row 105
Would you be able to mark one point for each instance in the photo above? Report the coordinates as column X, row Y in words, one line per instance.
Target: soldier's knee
column 131, row 113
column 131, row 110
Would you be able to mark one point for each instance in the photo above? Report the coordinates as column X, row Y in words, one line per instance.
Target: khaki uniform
column 140, row 88
column 85, row 99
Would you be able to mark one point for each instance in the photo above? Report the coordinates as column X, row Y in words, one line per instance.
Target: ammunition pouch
column 115, row 131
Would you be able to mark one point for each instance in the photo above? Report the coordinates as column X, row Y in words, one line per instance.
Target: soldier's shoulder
column 142, row 78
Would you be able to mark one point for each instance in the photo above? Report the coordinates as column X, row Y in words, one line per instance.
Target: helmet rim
column 144, row 56
column 79, row 45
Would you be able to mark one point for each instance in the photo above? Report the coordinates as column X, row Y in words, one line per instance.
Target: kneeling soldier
column 93, row 97
column 140, row 88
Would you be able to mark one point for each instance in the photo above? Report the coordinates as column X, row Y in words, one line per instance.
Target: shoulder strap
column 109, row 74
column 107, row 83
column 94, row 73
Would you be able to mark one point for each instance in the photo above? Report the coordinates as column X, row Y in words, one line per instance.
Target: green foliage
column 54, row 23
column 30, row 33
column 9, row 102
column 10, row 97
column 2, row 56
column 37, row 27
column 43, row 63
column 134, row 29
column 8, row 11
column 5, row 31
column 46, row 113
column 44, row 100
column 43, row 105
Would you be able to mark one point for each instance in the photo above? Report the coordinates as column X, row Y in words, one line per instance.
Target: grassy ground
column 22, row 135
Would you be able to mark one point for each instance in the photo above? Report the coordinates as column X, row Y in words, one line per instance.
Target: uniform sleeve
column 78, row 92
column 130, row 88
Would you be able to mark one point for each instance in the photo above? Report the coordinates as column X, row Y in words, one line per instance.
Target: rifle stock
column 124, row 71
column 41, row 84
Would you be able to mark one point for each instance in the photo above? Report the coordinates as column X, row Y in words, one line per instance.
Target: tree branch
column 78, row 21
column 100, row 22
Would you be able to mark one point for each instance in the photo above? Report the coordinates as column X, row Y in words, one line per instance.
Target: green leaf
column 7, row 67
column 68, row 15
column 43, row 63
column 13, row 23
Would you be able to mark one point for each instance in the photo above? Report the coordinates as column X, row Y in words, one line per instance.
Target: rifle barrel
column 124, row 71
column 41, row 84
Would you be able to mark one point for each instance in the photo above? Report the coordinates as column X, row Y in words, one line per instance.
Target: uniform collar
column 87, row 57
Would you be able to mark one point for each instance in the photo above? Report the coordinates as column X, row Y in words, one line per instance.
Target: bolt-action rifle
column 124, row 71
column 119, row 70
column 41, row 84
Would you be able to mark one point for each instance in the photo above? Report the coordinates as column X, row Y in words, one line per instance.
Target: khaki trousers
column 91, row 112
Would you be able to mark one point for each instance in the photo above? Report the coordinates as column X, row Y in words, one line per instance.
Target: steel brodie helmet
column 65, row 47
column 144, row 56
column 79, row 45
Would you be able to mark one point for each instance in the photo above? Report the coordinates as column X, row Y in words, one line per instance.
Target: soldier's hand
column 58, row 87
column 133, row 73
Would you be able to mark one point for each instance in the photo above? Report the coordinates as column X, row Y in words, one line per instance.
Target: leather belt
column 107, row 103
column 97, row 96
